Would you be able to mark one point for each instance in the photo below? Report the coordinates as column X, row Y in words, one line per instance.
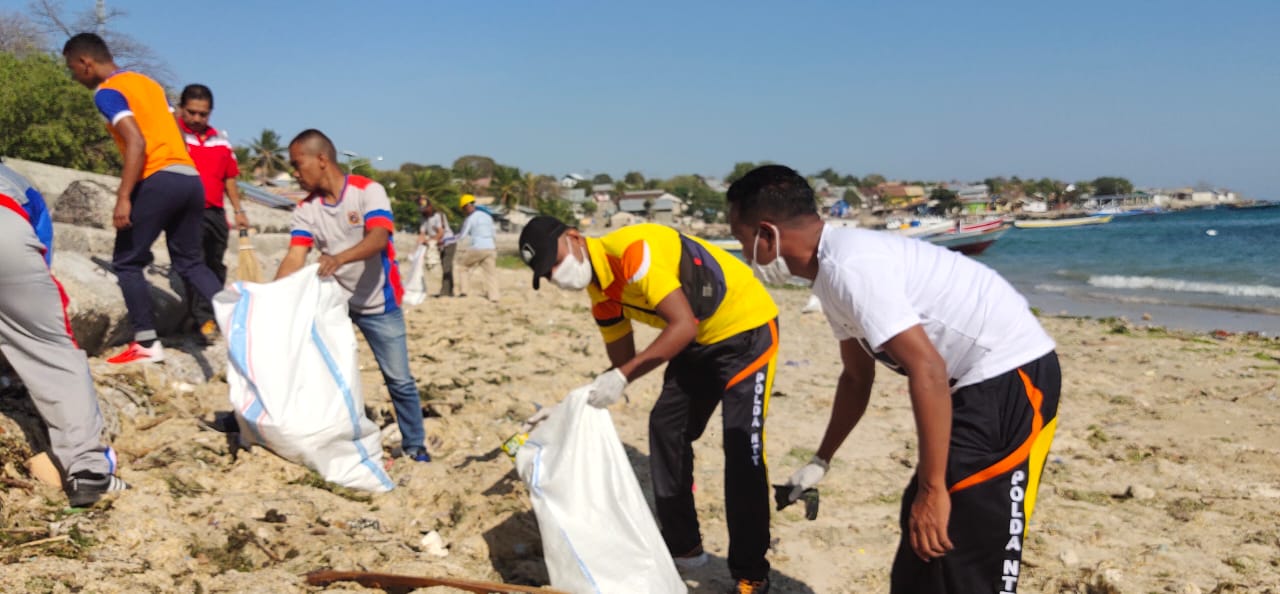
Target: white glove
column 607, row 388
column 807, row 477
column 541, row 415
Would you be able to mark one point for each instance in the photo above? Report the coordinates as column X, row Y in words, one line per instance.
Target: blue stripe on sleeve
column 378, row 213
column 111, row 103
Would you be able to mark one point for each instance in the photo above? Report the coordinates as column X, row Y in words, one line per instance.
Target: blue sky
column 1164, row 92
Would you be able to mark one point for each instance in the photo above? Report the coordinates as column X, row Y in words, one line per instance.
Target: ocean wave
column 1183, row 286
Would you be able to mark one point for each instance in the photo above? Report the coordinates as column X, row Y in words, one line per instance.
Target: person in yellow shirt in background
column 719, row 339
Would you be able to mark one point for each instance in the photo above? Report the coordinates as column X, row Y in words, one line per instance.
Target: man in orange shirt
column 159, row 187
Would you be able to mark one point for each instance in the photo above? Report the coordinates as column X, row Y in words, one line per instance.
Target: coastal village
column 964, row 216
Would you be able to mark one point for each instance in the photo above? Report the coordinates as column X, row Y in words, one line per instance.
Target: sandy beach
column 1163, row 476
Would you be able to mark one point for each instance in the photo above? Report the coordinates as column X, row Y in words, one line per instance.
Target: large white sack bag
column 598, row 535
column 433, row 255
column 294, row 377
column 415, row 287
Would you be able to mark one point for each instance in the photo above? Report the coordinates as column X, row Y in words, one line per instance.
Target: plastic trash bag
column 598, row 534
column 415, row 287
column 294, row 377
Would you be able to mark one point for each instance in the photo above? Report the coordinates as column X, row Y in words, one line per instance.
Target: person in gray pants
column 36, row 339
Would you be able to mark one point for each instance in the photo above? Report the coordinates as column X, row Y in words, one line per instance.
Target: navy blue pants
column 172, row 203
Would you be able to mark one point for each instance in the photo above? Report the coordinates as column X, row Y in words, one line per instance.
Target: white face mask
column 775, row 272
column 572, row 274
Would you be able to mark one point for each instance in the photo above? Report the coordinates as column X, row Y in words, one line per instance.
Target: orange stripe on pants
column 760, row 361
column 1017, row 456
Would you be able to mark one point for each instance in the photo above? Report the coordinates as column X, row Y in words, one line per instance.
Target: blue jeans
column 386, row 336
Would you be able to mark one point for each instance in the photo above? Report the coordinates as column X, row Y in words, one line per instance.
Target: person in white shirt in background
column 983, row 377
column 435, row 232
column 482, row 255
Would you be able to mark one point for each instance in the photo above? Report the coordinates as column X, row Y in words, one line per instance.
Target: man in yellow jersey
column 159, row 187
column 719, row 339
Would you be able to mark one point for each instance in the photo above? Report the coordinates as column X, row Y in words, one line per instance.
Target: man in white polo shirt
column 983, row 377
column 348, row 218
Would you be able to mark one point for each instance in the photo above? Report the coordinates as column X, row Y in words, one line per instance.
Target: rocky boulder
column 96, row 309
column 85, row 203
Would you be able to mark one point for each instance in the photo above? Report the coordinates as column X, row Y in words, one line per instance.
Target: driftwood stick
column 405, row 583
column 43, row 541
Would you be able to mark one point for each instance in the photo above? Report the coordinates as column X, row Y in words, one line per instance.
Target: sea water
column 1200, row 269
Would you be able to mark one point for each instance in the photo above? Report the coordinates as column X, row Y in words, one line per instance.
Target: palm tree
column 268, row 155
column 530, row 190
column 507, row 182
column 244, row 155
column 433, row 182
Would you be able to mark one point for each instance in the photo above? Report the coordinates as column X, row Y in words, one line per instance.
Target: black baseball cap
column 539, row 245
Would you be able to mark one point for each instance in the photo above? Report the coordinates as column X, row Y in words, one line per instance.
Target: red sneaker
column 136, row 353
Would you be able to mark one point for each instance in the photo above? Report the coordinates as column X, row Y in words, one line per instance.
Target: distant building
column 573, row 195
column 571, row 180
column 1033, row 204
column 658, row 205
column 974, row 197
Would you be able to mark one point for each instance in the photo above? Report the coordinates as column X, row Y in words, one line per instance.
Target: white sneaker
column 692, row 561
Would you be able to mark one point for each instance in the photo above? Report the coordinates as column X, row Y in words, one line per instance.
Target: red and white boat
column 971, row 240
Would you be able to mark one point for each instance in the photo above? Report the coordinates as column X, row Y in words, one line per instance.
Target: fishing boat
column 1254, row 204
column 1067, row 222
column 970, row 242
column 919, row 227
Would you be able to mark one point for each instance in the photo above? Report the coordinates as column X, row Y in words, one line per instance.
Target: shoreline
column 1176, row 317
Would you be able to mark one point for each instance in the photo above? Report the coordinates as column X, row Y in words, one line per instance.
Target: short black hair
column 776, row 192
column 196, row 92
column 317, row 141
column 87, row 44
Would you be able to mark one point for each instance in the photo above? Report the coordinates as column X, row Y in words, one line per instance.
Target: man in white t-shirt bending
column 983, row 377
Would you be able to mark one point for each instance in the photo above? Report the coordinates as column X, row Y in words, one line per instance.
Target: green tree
column 872, row 180
column 480, row 166
column 507, row 183
column 852, row 198
column 701, row 200
column 740, row 169
column 1106, row 186
column 948, row 200
column 829, row 175
column 243, row 155
column 269, row 155
column 590, row 207
column 634, row 178
column 558, row 208
column 602, row 178
column 45, row 116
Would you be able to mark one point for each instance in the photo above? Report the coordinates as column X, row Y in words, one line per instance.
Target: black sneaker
column 85, row 488
column 417, row 454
